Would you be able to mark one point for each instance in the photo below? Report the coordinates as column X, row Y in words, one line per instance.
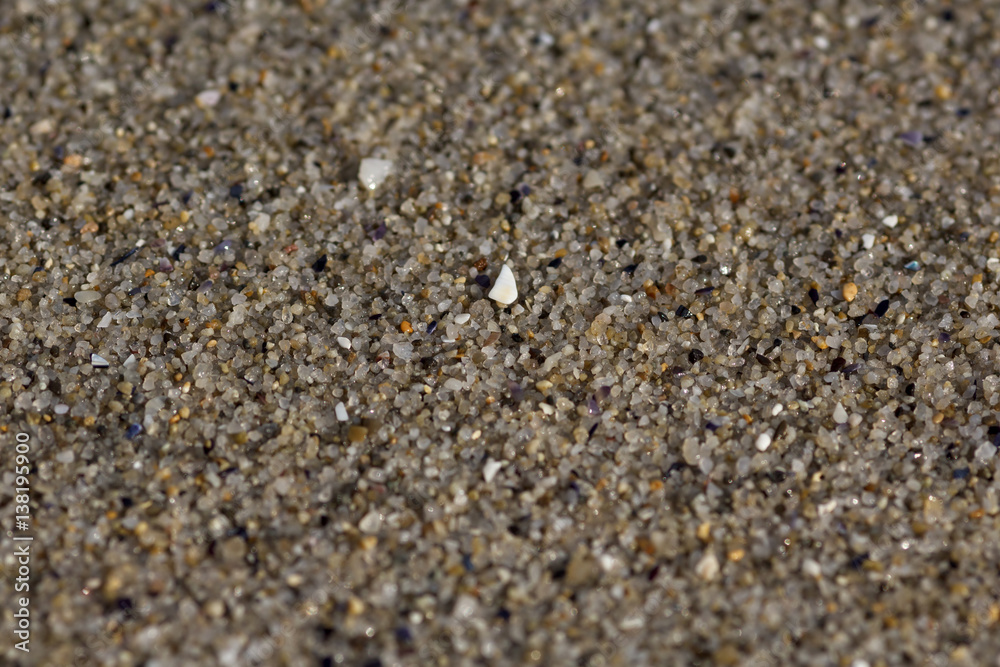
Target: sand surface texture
column 742, row 409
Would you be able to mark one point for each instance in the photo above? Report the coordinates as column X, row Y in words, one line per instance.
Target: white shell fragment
column 505, row 290
column 890, row 220
column 373, row 172
column 462, row 318
column 87, row 295
column 97, row 361
column 208, row 98
column 341, row 412
column 491, row 469
column 708, row 567
column 593, row 179
column 763, row 442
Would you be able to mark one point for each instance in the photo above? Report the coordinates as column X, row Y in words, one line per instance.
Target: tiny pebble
column 868, row 240
column 105, row 321
column 61, row 409
column 41, row 127
column 86, row 296
column 491, row 469
column 850, row 291
column 341, row 411
column 839, row 414
column 708, row 567
column 763, row 442
column 504, row 291
column 776, row 410
column 593, row 179
column 890, row 220
column 370, row 523
column 97, row 361
column 208, row 98
column 215, row 608
column 344, row 342
column 373, row 172
column 462, row 318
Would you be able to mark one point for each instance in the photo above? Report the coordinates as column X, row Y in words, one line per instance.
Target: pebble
column 593, row 179
column 215, row 608
column 97, row 361
column 890, row 221
column 504, row 291
column 208, row 98
column 839, row 414
column 491, row 469
column 462, row 318
column 850, row 291
column 105, row 321
column 43, row 126
column 370, row 523
column 763, row 442
column 344, row 342
column 708, row 567
column 868, row 240
column 373, row 172
column 86, row 296
column 341, row 412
